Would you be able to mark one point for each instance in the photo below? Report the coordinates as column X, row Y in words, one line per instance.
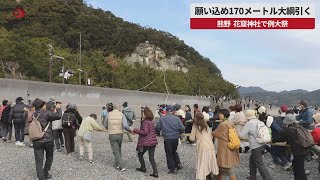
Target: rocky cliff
column 155, row 57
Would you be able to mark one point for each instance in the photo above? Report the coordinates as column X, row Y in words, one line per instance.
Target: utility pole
column 62, row 71
column 51, row 58
column 80, row 63
column 50, row 62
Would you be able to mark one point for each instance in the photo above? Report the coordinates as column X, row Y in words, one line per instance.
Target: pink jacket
column 147, row 134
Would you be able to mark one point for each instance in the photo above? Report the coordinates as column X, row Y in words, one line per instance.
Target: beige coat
column 206, row 155
column 226, row 157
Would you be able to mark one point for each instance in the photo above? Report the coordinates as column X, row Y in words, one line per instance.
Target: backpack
column 316, row 135
column 35, row 129
column 263, row 133
column 68, row 120
column 234, row 140
column 129, row 113
column 305, row 138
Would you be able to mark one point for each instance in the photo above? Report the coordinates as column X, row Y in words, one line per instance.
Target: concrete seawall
column 91, row 99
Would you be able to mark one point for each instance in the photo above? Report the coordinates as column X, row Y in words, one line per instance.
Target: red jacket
column 316, row 135
column 1, row 110
column 147, row 134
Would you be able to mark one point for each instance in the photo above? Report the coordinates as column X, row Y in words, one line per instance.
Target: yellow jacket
column 88, row 124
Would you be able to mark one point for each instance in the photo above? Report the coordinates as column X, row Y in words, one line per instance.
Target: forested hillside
column 106, row 40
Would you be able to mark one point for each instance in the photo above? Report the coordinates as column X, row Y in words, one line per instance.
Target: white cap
column 262, row 109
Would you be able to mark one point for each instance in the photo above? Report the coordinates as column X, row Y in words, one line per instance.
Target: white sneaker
column 17, row 143
column 286, row 167
column 21, row 144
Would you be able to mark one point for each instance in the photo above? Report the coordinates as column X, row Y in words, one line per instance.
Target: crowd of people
column 219, row 136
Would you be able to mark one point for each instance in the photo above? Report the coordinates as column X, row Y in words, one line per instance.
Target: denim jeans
column 7, row 130
column 278, row 153
column 19, row 131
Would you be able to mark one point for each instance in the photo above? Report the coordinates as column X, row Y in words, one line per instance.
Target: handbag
column 88, row 136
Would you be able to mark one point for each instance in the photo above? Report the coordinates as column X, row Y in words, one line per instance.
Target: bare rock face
column 153, row 56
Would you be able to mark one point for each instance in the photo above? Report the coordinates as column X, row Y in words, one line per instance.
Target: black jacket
column 44, row 118
column 76, row 113
column 278, row 136
column 17, row 113
column 292, row 138
column 6, row 114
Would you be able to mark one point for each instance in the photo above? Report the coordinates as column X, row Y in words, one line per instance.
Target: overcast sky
column 272, row 59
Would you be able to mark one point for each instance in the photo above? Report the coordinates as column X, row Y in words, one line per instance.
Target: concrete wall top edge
column 85, row 88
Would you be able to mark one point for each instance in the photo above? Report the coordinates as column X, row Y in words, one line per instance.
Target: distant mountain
column 297, row 91
column 251, row 89
column 290, row 98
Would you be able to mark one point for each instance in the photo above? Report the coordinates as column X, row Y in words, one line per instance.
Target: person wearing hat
column 51, row 104
column 17, row 116
column 104, row 114
column 276, row 125
column 305, row 116
column 171, row 127
column 70, row 131
column 116, row 123
column 250, row 130
column 130, row 115
column 299, row 152
column 46, row 144
column 278, row 153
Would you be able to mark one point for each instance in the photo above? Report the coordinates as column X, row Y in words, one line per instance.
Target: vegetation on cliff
column 106, row 40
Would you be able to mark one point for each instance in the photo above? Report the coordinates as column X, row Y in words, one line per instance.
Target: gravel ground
column 18, row 163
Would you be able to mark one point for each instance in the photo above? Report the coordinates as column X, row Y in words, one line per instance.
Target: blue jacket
column 277, row 130
column 170, row 125
column 305, row 118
